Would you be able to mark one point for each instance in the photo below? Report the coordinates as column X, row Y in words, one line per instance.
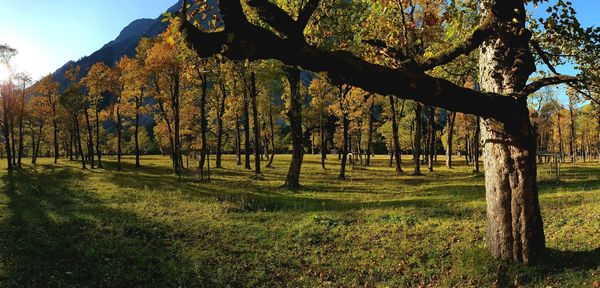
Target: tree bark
column 515, row 229
column 295, row 116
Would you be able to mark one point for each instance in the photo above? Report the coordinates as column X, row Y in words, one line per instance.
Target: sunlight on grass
column 61, row 226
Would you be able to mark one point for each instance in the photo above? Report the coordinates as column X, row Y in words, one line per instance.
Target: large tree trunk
column 417, row 138
column 515, row 230
column 295, row 115
column 450, row 131
column 396, row 140
column 253, row 95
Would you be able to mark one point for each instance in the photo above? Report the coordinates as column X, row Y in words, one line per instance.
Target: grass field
column 62, row 226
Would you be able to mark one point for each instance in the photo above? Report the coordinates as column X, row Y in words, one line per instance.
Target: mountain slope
column 124, row 44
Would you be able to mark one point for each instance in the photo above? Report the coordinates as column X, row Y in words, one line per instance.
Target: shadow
column 52, row 234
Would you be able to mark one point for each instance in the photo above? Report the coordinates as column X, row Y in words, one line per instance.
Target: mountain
column 124, row 44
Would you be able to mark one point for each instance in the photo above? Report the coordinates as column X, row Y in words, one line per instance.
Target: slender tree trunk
column 90, row 138
column 176, row 139
column 272, row 126
column 295, row 116
column 572, row 147
column 515, row 229
column 137, row 140
column 14, row 141
column 21, row 117
column 345, row 124
column 98, row 150
column 203, row 127
column 395, row 136
column 370, row 132
column 432, row 150
column 450, row 131
column 218, row 151
column 55, row 134
column 119, row 138
column 417, row 138
column 78, row 138
column 560, row 142
column 7, row 142
column 253, row 95
column 246, row 128
column 238, row 140
column 476, row 140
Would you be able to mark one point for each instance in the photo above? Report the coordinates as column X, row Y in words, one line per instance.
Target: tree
column 510, row 163
column 294, row 114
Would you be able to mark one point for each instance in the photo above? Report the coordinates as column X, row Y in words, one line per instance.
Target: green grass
column 62, row 226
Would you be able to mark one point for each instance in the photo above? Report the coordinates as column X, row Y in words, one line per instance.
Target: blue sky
column 48, row 33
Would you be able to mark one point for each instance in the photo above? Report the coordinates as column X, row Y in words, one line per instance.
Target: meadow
column 62, row 226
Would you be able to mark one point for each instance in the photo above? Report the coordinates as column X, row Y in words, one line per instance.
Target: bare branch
column 480, row 34
column 541, row 83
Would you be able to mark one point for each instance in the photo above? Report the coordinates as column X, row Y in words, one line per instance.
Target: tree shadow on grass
column 53, row 235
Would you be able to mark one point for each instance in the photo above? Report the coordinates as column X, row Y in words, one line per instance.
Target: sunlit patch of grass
column 62, row 226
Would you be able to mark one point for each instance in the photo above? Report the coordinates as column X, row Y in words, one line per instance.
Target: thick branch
column 253, row 43
column 307, row 12
column 541, row 83
column 480, row 34
column 275, row 17
column 391, row 52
